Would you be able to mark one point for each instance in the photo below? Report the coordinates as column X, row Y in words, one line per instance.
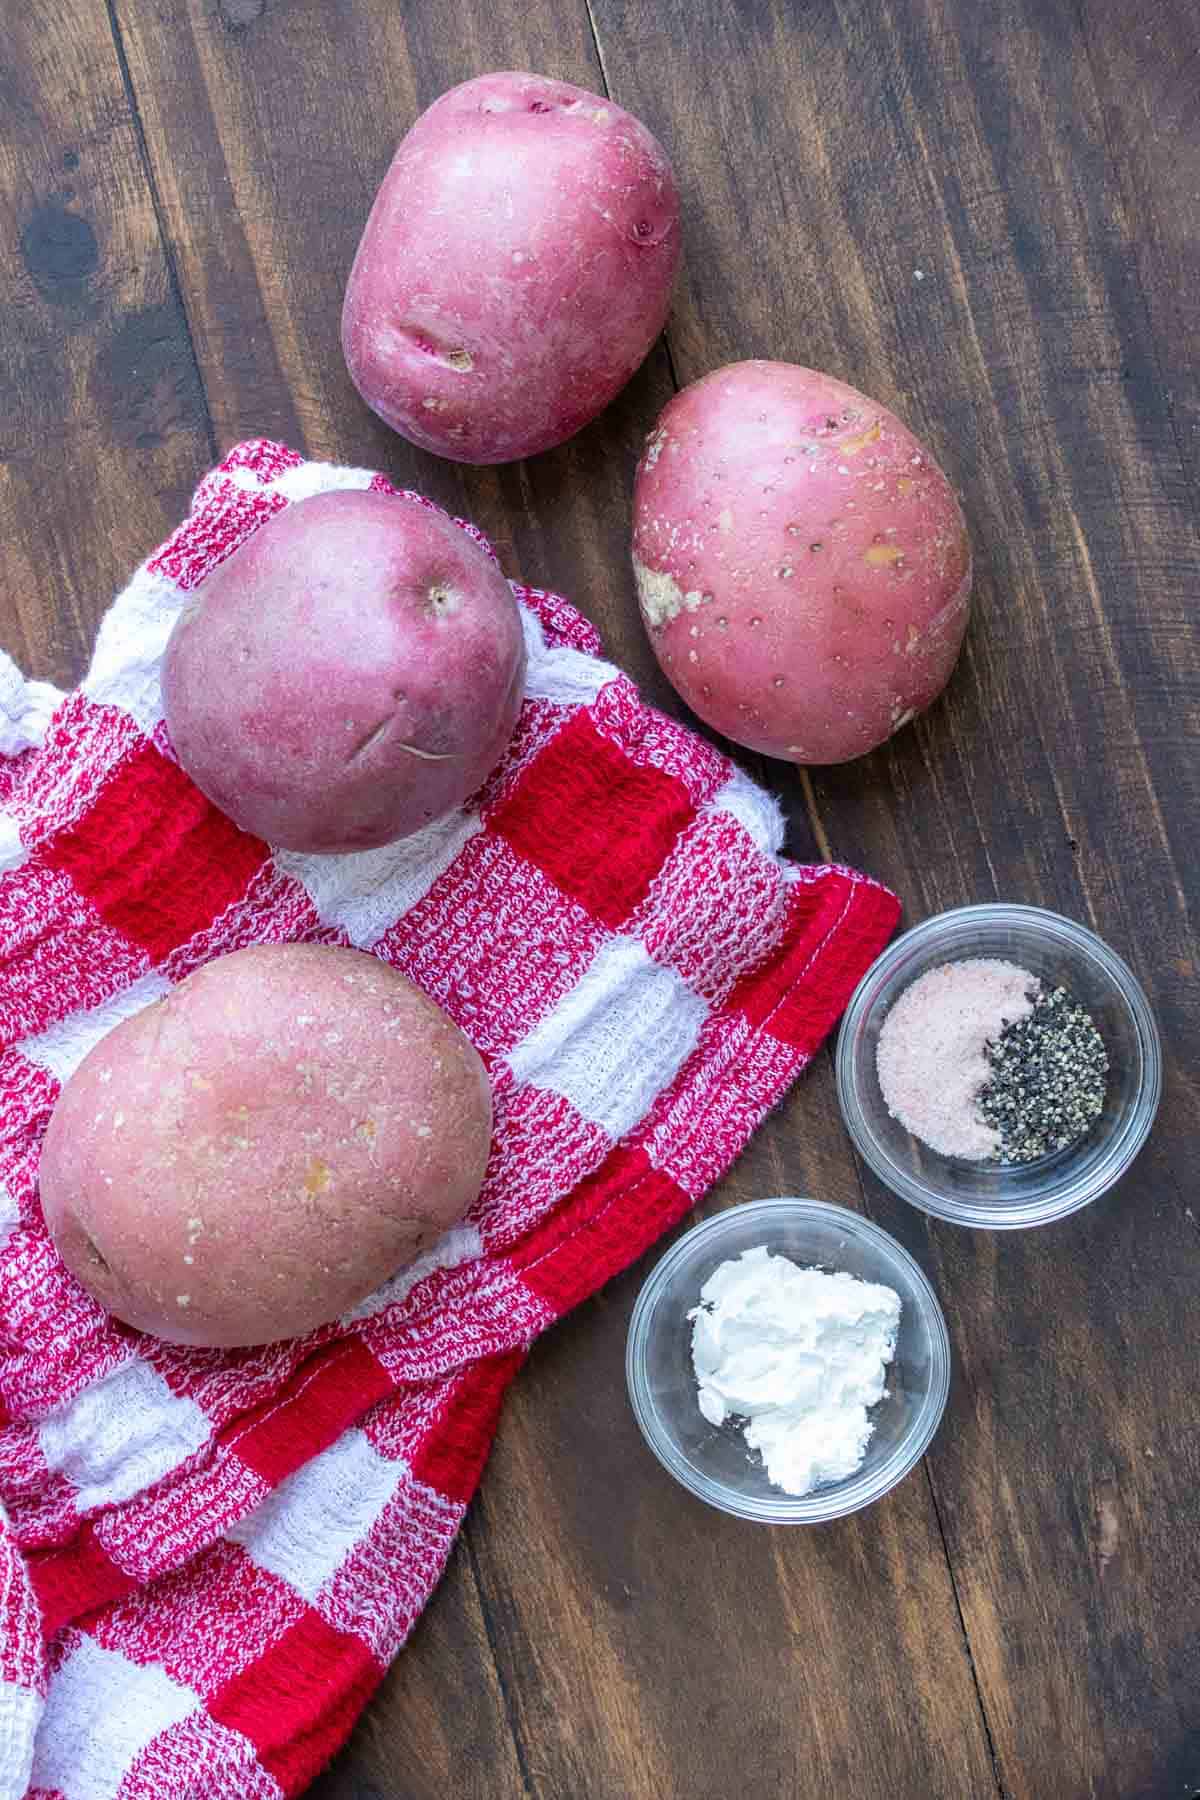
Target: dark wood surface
column 988, row 216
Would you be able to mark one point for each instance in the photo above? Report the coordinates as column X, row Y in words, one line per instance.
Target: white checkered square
column 753, row 808
column 20, row 1710
column 365, row 892
column 380, row 1588
column 305, row 480
column 26, row 708
column 130, row 644
column 121, row 1434
column 12, row 851
column 10, row 1213
column 616, row 1040
column 312, row 1521
column 62, row 1047
column 101, row 1711
column 559, row 674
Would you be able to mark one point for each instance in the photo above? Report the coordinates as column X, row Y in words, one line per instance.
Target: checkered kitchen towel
column 208, row 1558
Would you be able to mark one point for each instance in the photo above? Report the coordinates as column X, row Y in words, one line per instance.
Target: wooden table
column 988, row 215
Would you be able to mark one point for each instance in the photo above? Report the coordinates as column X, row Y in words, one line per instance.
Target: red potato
column 352, row 672
column 515, row 270
column 802, row 563
column 252, row 1156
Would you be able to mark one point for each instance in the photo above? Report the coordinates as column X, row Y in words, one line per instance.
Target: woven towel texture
column 208, row 1558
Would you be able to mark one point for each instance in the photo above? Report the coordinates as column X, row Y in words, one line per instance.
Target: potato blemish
column 852, row 445
column 661, row 598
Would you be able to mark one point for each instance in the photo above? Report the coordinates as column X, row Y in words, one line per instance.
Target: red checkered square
column 333, row 1389
column 450, row 1459
column 598, row 825
column 835, row 927
column 75, row 1578
column 537, row 725
column 298, row 1700
column 613, row 1216
column 156, row 859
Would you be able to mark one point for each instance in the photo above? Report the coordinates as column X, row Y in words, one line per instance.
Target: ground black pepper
column 1048, row 1080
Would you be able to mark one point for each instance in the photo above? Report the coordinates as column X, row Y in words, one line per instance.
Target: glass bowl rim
column 1074, row 1190
column 825, row 1503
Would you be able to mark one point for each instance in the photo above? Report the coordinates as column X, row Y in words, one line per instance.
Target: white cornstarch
column 797, row 1358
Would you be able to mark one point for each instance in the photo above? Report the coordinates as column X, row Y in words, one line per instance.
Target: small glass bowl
column 1005, row 1198
column 714, row 1461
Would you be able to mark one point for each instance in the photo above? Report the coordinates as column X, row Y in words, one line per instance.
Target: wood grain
column 965, row 238
column 990, row 218
column 99, row 396
column 561, row 519
column 1146, row 75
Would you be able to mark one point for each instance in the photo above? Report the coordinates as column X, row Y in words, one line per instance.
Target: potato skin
column 515, row 269
column 802, row 563
column 353, row 671
column 257, row 1152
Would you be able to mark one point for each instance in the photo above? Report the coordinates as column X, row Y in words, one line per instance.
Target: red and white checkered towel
column 208, row 1558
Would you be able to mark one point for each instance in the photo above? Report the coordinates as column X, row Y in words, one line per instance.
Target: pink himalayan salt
column 931, row 1059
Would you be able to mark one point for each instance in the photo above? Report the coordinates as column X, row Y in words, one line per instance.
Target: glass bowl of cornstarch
column 999, row 1066
column 788, row 1361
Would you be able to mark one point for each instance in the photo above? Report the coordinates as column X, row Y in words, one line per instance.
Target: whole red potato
column 515, row 269
column 803, row 565
column 253, row 1155
column 352, row 672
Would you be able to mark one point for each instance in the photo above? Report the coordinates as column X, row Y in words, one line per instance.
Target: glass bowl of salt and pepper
column 999, row 1066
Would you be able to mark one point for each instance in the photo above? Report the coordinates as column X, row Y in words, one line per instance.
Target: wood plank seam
column 1001, row 1790
column 168, row 249
column 927, row 1469
column 510, row 1709
column 823, row 843
column 1190, row 472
